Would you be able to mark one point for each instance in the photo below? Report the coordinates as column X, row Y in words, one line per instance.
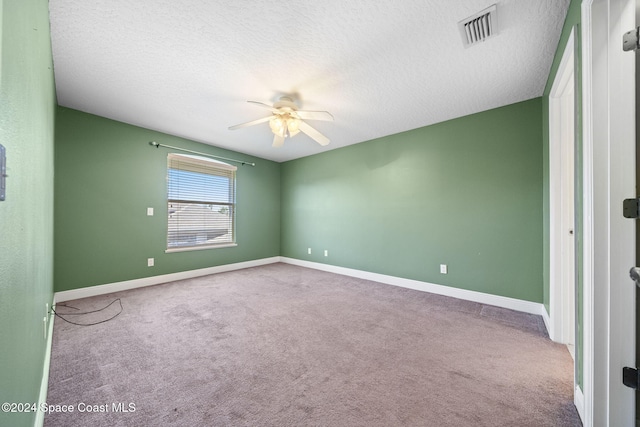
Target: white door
column 609, row 238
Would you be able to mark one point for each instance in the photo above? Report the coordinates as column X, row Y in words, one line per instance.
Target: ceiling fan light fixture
column 277, row 125
column 287, row 120
column 293, row 126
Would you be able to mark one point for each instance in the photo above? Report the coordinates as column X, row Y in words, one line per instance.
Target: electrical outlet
column 443, row 268
column 45, row 320
column 309, row 251
column 326, row 252
column 150, row 262
column 149, row 211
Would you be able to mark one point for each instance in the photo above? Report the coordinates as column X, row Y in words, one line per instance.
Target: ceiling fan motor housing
column 285, row 103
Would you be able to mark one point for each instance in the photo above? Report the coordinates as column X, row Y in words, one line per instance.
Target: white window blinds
column 201, row 202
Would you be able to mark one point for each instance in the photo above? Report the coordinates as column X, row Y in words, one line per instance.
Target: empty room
column 339, row 213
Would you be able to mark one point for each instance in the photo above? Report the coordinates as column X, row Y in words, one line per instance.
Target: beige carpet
column 281, row 345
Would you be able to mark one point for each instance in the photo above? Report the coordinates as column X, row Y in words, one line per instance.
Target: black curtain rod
column 242, row 162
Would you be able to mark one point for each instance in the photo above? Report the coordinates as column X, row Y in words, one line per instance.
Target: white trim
column 199, row 248
column 587, row 354
column 91, row 291
column 563, row 76
column 561, row 149
column 44, row 381
column 578, row 400
column 483, row 298
column 545, row 318
column 496, row 300
column 201, row 161
column 599, row 137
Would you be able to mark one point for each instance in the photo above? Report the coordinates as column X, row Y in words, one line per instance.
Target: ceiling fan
column 287, row 120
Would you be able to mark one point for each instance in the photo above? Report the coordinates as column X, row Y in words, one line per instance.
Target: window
column 201, row 202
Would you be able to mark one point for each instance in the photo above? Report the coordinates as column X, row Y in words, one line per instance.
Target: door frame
column 561, row 212
column 608, row 113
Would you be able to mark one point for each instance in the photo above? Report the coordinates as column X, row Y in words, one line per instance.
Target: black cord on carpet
column 88, row 312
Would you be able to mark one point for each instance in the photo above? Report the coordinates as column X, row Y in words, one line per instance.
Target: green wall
column 466, row 193
column 27, row 108
column 107, row 175
column 572, row 20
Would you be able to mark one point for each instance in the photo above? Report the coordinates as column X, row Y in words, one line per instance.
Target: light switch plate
column 149, row 211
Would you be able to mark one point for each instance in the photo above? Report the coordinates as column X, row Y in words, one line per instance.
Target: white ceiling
column 187, row 67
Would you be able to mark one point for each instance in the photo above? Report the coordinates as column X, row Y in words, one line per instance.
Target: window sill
column 199, row 248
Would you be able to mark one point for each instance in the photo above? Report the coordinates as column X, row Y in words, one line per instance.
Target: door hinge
column 634, row 273
column 631, row 208
column 631, row 40
column 630, row 377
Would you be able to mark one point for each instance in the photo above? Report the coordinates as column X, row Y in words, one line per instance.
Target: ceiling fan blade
column 251, row 123
column 313, row 134
column 263, row 105
column 315, row 115
column 277, row 141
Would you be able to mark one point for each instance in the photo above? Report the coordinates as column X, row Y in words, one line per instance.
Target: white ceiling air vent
column 479, row 27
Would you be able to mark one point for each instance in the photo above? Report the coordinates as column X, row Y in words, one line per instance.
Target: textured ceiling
column 187, row 67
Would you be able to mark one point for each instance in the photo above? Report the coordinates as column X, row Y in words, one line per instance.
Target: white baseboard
column 92, row 291
column 546, row 319
column 496, row 300
column 44, row 382
column 578, row 400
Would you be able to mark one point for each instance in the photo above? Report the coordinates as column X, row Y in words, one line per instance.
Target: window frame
column 207, row 166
